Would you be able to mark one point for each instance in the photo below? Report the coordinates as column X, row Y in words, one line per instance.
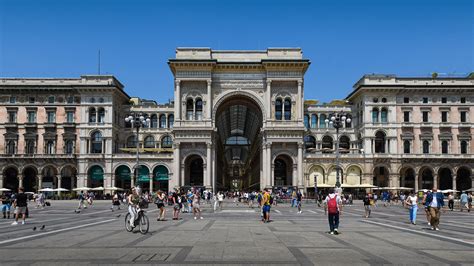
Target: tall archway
column 68, row 178
column 143, row 177
column 445, row 178
column 283, row 171
column 381, row 175
column 354, row 175
column 49, row 177
column 238, row 119
column 332, row 176
column 123, row 177
column 426, row 178
column 160, row 178
column 463, row 179
column 407, row 177
column 10, row 179
column 194, row 173
column 95, row 176
column 29, row 179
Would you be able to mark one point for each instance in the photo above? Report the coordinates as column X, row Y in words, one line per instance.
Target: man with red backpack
column 333, row 207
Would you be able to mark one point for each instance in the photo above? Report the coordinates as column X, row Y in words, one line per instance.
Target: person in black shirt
column 20, row 203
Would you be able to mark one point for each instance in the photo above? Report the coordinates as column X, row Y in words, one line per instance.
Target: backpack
column 271, row 199
column 332, row 205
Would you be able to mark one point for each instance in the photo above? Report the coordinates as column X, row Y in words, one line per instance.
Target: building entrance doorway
column 238, row 144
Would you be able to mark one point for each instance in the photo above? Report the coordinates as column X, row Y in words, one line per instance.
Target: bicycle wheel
column 128, row 227
column 144, row 224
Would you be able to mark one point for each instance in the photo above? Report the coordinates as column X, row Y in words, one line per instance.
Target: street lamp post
column 137, row 121
column 337, row 120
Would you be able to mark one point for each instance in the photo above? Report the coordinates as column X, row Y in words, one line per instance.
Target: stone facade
column 238, row 121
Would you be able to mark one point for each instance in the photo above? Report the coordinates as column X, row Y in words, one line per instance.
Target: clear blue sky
column 343, row 39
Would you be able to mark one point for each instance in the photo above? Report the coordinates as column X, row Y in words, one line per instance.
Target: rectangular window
column 463, row 99
column 51, row 116
column 51, row 99
column 406, row 100
column 70, row 99
column 463, row 116
column 31, row 99
column 12, row 99
column 425, row 116
column 12, row 116
column 444, row 100
column 425, row 99
column 406, row 116
column 444, row 117
column 31, row 117
column 69, row 117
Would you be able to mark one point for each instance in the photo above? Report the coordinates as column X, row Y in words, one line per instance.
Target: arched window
column 154, row 121
column 132, row 141
column 375, row 115
column 344, row 144
column 306, row 121
column 444, row 147
column 150, row 142
column 406, row 146
column 322, row 121
column 30, row 147
column 189, row 109
column 287, row 109
column 278, row 109
column 309, row 142
column 92, row 115
column 162, row 121
column 314, row 121
column 327, row 144
column 69, row 147
column 426, row 147
column 96, row 142
column 11, row 147
column 198, row 109
column 170, row 121
column 166, row 142
column 101, row 118
column 50, row 147
column 383, row 115
column 463, row 147
column 379, row 142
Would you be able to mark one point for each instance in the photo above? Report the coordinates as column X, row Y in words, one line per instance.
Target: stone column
column 263, row 178
column 269, row 164
column 1, row 180
column 59, row 183
column 40, row 181
column 416, row 182
column 151, row 182
column 294, row 179
column 177, row 164
column 177, row 100
column 213, row 173
column 300, row 100
column 435, row 180
column 454, row 182
column 20, row 180
column 207, row 182
column 268, row 94
column 272, row 175
column 209, row 100
column 300, row 164
column 182, row 176
column 132, row 177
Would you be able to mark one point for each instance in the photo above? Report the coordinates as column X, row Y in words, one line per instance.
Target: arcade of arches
column 33, row 180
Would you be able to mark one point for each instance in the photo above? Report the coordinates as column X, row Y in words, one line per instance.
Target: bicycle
column 141, row 222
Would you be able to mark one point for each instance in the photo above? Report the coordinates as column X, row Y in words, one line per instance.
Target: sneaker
column 195, row 218
column 429, row 224
column 15, row 223
column 432, row 228
column 331, row 233
column 336, row 232
column 437, row 229
column 22, row 222
column 201, row 218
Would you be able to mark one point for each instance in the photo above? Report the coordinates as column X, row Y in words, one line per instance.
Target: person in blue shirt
column 434, row 202
column 463, row 201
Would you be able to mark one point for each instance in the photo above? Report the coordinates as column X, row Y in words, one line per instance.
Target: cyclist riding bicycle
column 133, row 202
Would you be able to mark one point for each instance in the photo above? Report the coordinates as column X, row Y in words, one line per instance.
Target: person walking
column 81, row 199
column 115, row 202
column 333, row 208
column 367, row 208
column 434, row 203
column 6, row 205
column 463, row 201
column 469, row 202
column 412, row 203
column 20, row 204
column 266, row 205
column 427, row 210
column 451, row 201
column 299, row 198
column 196, row 200
column 176, row 205
column 160, row 204
column 220, row 199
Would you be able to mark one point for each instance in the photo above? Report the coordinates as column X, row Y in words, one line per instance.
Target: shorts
column 367, row 207
column 160, row 205
column 6, row 207
column 20, row 210
column 266, row 208
column 196, row 206
column 176, row 207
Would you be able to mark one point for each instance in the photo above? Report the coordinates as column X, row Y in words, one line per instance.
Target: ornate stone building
column 238, row 121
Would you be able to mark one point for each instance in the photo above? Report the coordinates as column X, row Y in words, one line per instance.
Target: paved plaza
column 236, row 236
